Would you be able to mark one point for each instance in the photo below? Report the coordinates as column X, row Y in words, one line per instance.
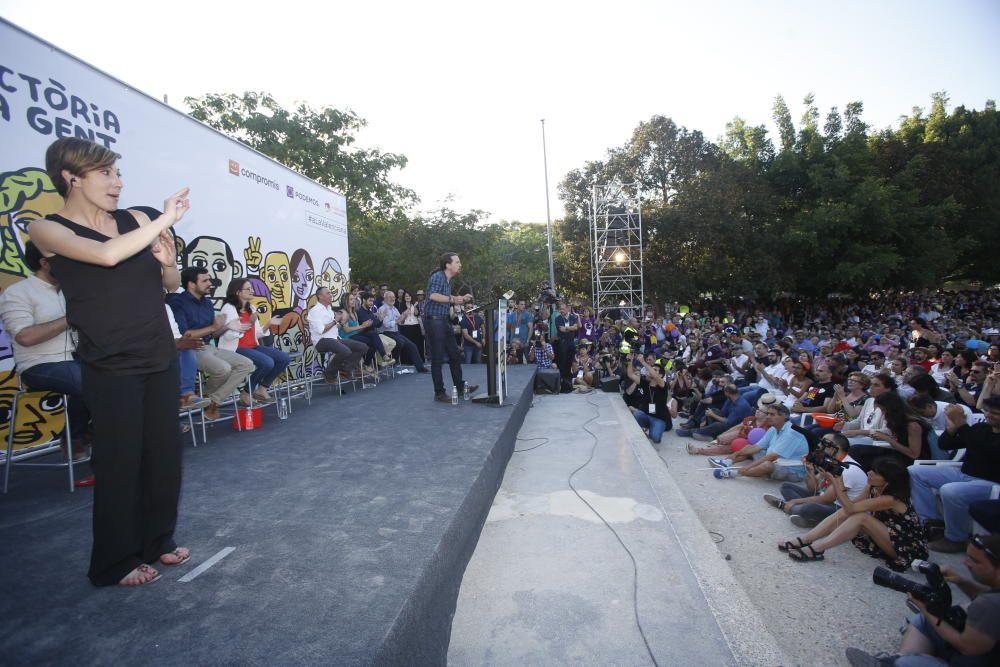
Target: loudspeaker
column 546, row 381
column 610, row 384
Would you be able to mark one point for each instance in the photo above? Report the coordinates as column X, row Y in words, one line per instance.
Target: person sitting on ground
column 583, row 369
column 649, row 398
column 34, row 316
column 959, row 486
column 929, row 641
column 735, row 438
column 224, row 370
column 708, row 394
column 269, row 362
column 781, row 443
column 733, row 412
column 882, row 523
column 811, row 503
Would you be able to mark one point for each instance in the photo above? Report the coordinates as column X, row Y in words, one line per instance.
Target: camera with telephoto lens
column 935, row 594
column 824, row 461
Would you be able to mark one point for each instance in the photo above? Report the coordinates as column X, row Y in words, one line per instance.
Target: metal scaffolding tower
column 616, row 249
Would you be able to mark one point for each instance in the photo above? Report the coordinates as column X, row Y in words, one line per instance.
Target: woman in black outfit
column 113, row 266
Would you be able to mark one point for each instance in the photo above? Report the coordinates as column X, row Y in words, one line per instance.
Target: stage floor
column 350, row 525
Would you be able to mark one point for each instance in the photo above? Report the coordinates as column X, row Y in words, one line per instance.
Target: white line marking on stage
column 607, row 423
column 207, row 564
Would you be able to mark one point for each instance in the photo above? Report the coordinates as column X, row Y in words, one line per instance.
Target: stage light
column 620, row 257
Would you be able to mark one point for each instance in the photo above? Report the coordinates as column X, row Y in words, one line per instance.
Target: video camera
column 546, row 294
column 935, row 594
column 824, row 461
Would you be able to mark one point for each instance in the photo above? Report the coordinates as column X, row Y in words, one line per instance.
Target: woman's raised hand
column 175, row 206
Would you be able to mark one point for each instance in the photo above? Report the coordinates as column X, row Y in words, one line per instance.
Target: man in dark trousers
column 438, row 329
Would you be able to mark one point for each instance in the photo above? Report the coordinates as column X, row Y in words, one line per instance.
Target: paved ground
column 549, row 585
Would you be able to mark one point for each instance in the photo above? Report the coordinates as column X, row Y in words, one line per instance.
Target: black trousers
column 567, row 350
column 136, row 461
column 441, row 339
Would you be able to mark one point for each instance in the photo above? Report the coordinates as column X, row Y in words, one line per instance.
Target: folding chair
column 12, row 457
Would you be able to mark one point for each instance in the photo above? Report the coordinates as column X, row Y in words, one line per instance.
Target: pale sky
column 460, row 87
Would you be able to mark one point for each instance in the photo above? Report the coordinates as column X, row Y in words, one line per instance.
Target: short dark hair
column 32, row 257
column 78, row 157
column 367, row 295
column 446, row 259
column 190, row 274
column 781, row 409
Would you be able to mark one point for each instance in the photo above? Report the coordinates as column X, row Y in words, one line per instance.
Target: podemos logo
column 290, row 191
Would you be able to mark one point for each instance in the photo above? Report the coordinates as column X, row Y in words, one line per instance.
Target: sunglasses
column 977, row 541
column 828, row 442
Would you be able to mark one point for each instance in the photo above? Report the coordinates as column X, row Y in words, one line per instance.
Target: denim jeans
column 811, row 511
column 62, row 377
column 188, row 362
column 270, row 363
column 656, row 426
column 956, row 489
column 473, row 354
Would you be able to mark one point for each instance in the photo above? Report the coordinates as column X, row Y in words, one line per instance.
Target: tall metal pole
column 548, row 214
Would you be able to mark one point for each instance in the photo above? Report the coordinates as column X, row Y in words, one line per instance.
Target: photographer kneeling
column 931, row 640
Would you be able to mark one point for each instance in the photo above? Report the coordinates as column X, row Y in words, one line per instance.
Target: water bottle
column 283, row 408
column 454, row 395
column 466, row 393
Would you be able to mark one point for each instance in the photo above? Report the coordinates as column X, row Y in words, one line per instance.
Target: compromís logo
column 234, row 167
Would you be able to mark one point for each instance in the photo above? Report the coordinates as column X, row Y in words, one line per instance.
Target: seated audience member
column 851, row 400
column 967, row 392
column 930, row 641
column 905, row 437
column 34, row 316
column 811, row 503
column 583, row 370
column 648, row 398
column 324, row 330
column 187, row 362
column 269, row 362
column 710, row 397
column 870, row 420
column 881, row 523
column 731, row 414
column 541, row 351
column 362, row 330
column 735, row 438
column 224, row 370
column 960, row 486
column 876, row 364
column 388, row 315
column 777, row 455
column 819, row 397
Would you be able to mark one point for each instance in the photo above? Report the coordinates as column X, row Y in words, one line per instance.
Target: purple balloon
column 755, row 435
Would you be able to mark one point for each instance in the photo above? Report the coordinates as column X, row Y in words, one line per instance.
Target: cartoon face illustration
column 278, row 279
column 215, row 255
column 40, row 415
column 25, row 195
column 261, row 301
column 291, row 337
column 302, row 275
column 332, row 277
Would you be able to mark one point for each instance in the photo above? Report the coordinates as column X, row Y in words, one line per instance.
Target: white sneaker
column 725, row 473
column 720, row 463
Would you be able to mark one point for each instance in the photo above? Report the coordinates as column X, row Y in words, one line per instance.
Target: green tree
column 318, row 143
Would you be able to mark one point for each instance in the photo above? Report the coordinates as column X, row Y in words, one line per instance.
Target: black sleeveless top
column 118, row 311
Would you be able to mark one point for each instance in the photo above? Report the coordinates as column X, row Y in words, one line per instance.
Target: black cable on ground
column 635, row 566
column 528, row 449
